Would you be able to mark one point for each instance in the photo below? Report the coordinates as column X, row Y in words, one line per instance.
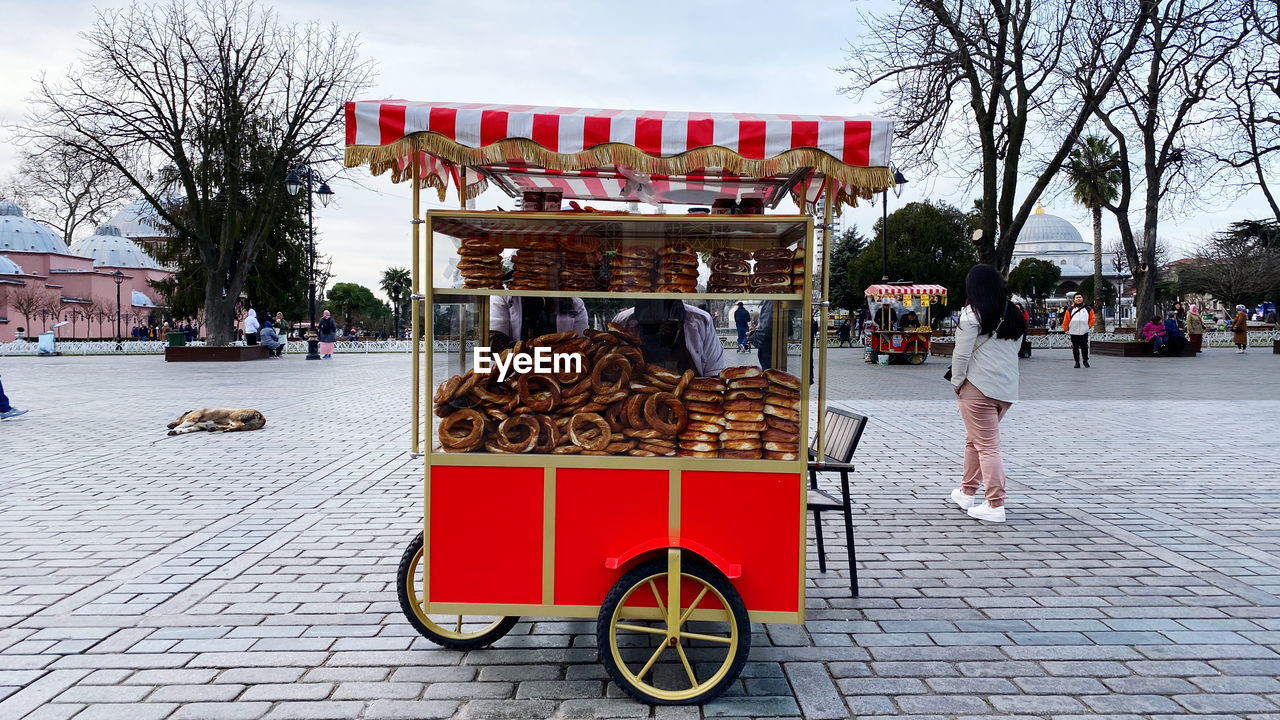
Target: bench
column 1131, row 348
column 842, row 431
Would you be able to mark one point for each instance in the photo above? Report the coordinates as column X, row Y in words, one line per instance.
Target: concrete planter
column 1129, row 348
column 227, row 353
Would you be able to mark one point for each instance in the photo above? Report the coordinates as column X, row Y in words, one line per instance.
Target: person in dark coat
column 328, row 335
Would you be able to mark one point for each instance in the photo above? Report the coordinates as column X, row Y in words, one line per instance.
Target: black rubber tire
column 689, row 565
column 442, row 639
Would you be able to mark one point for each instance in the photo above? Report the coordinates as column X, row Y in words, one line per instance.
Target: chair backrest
column 841, row 432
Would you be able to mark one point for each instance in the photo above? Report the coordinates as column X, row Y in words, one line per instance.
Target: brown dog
column 217, row 420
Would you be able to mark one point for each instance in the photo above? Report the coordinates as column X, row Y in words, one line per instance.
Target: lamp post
column 293, row 183
column 898, row 182
column 395, row 309
column 118, row 277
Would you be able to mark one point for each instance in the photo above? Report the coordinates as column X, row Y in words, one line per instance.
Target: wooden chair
column 842, row 431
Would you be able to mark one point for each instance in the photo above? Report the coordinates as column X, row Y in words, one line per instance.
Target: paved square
column 251, row 575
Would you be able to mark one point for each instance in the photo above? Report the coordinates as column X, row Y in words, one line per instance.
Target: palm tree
column 1094, row 172
column 390, row 277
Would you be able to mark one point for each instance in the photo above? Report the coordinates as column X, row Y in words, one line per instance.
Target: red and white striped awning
column 882, row 290
column 592, row 154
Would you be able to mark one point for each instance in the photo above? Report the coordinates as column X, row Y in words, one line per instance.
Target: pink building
column 43, row 282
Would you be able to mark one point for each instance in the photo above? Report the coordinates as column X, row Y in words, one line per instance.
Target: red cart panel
column 602, row 514
column 753, row 519
column 486, row 535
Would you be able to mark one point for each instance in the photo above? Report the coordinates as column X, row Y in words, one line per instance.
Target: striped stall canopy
column 621, row 154
column 891, row 289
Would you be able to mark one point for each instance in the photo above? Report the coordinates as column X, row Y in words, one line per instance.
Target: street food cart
column 657, row 485
column 889, row 304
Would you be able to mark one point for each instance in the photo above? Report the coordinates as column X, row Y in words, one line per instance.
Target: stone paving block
column 326, row 710
column 431, row 674
column 221, row 711
column 817, row 695
column 1238, row 684
column 195, row 693
column 53, row 711
column 266, row 675
column 1234, row 703
column 89, row 694
column 508, row 709
column 755, row 707
column 971, row 686
column 1060, row 685
column 881, row 686
column 291, row 691
column 1139, row 685
column 409, row 709
column 1145, row 704
column 468, row 690
column 557, row 689
column 943, row 705
column 377, row 690
column 132, row 711
column 1035, row 704
column 602, row 708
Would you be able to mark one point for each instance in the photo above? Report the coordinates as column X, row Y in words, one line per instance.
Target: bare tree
column 66, row 188
column 1162, row 114
column 1240, row 265
column 204, row 106
column 1253, row 140
column 995, row 90
column 29, row 300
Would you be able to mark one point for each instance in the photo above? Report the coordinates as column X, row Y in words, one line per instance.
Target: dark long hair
column 989, row 299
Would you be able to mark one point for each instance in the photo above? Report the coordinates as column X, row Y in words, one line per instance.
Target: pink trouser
column 982, row 462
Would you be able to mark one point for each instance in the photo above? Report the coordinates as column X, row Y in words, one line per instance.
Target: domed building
column 76, row 284
column 1054, row 239
column 139, row 222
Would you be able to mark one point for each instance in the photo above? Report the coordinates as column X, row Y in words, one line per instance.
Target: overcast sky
column 745, row 56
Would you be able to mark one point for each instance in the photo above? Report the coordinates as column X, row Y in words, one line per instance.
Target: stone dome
column 1056, row 240
column 109, row 248
column 9, row 267
column 19, row 233
column 1045, row 233
column 140, row 299
column 137, row 220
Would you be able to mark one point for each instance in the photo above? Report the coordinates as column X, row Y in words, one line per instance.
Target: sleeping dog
column 217, row 420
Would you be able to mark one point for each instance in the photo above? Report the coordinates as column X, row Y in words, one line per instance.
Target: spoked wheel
column 668, row 646
column 916, row 358
column 459, row 632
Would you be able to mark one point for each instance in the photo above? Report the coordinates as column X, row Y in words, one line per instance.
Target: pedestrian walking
column 1076, row 322
column 251, row 327
column 1240, row 330
column 328, row 335
column 845, row 332
column 984, row 375
column 8, row 411
column 742, row 319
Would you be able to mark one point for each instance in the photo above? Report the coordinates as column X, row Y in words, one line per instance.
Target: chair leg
column 822, row 550
column 848, row 533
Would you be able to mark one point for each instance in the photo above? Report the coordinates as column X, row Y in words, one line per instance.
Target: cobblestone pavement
column 251, row 575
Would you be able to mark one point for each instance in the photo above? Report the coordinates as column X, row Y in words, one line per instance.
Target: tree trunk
column 1099, row 317
column 219, row 313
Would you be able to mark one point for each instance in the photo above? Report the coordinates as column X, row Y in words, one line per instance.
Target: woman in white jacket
column 984, row 375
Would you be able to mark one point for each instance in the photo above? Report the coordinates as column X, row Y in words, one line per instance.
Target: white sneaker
column 959, row 498
column 988, row 513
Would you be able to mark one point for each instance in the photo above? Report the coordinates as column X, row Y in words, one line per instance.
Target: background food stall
column 661, row 494
column 889, row 303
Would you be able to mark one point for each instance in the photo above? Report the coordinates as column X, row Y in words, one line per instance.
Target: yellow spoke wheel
column 459, row 632
column 689, row 661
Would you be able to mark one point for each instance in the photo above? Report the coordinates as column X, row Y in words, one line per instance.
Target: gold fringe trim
column 859, row 182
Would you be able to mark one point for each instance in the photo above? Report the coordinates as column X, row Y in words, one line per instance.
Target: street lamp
column 293, row 183
column 395, row 309
column 898, row 182
column 118, row 277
